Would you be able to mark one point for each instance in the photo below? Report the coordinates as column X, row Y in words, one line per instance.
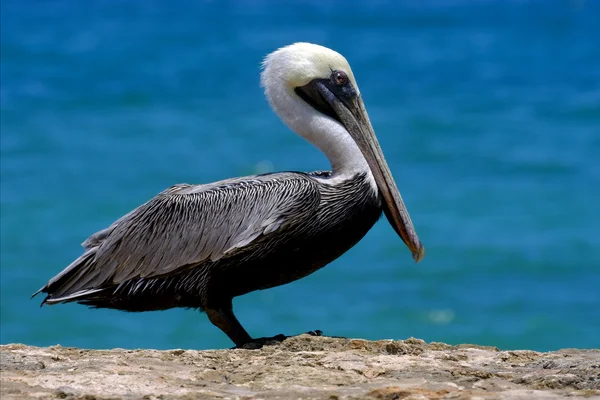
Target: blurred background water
column 488, row 113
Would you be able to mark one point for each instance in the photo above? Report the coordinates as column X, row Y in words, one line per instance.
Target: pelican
column 199, row 246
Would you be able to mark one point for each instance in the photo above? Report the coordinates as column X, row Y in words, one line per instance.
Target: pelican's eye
column 339, row 78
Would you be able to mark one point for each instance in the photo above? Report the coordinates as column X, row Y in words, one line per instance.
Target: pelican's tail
column 74, row 283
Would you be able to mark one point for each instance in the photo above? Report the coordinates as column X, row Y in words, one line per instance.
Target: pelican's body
column 200, row 246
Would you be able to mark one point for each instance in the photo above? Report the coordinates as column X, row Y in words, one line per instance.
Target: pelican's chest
column 349, row 201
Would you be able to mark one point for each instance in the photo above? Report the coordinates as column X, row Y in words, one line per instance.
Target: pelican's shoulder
column 320, row 174
column 267, row 181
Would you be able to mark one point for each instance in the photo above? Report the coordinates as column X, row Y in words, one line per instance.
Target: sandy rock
column 300, row 367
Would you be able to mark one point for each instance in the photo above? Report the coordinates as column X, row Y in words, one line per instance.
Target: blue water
column 488, row 113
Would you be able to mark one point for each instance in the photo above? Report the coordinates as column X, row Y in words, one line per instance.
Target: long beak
column 352, row 114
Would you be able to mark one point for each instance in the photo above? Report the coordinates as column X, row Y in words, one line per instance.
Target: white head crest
column 298, row 64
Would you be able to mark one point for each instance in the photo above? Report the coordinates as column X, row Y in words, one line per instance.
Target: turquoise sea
column 488, row 113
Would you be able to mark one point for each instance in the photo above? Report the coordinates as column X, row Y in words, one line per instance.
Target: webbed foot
column 273, row 340
column 263, row 341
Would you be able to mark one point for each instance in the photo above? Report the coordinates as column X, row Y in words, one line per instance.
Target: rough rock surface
column 300, row 367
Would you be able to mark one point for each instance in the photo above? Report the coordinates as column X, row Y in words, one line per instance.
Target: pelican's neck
column 325, row 133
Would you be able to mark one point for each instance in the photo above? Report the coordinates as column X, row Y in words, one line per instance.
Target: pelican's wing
column 186, row 225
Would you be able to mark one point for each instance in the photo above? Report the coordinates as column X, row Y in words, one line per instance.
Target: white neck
column 327, row 134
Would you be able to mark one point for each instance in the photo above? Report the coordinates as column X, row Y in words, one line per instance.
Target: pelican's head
column 300, row 63
column 322, row 78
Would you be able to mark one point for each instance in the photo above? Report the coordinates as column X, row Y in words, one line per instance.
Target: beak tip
column 419, row 254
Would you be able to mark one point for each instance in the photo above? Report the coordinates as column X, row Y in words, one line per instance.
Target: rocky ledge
column 300, row 367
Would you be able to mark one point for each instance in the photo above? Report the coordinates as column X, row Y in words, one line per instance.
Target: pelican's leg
column 224, row 319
